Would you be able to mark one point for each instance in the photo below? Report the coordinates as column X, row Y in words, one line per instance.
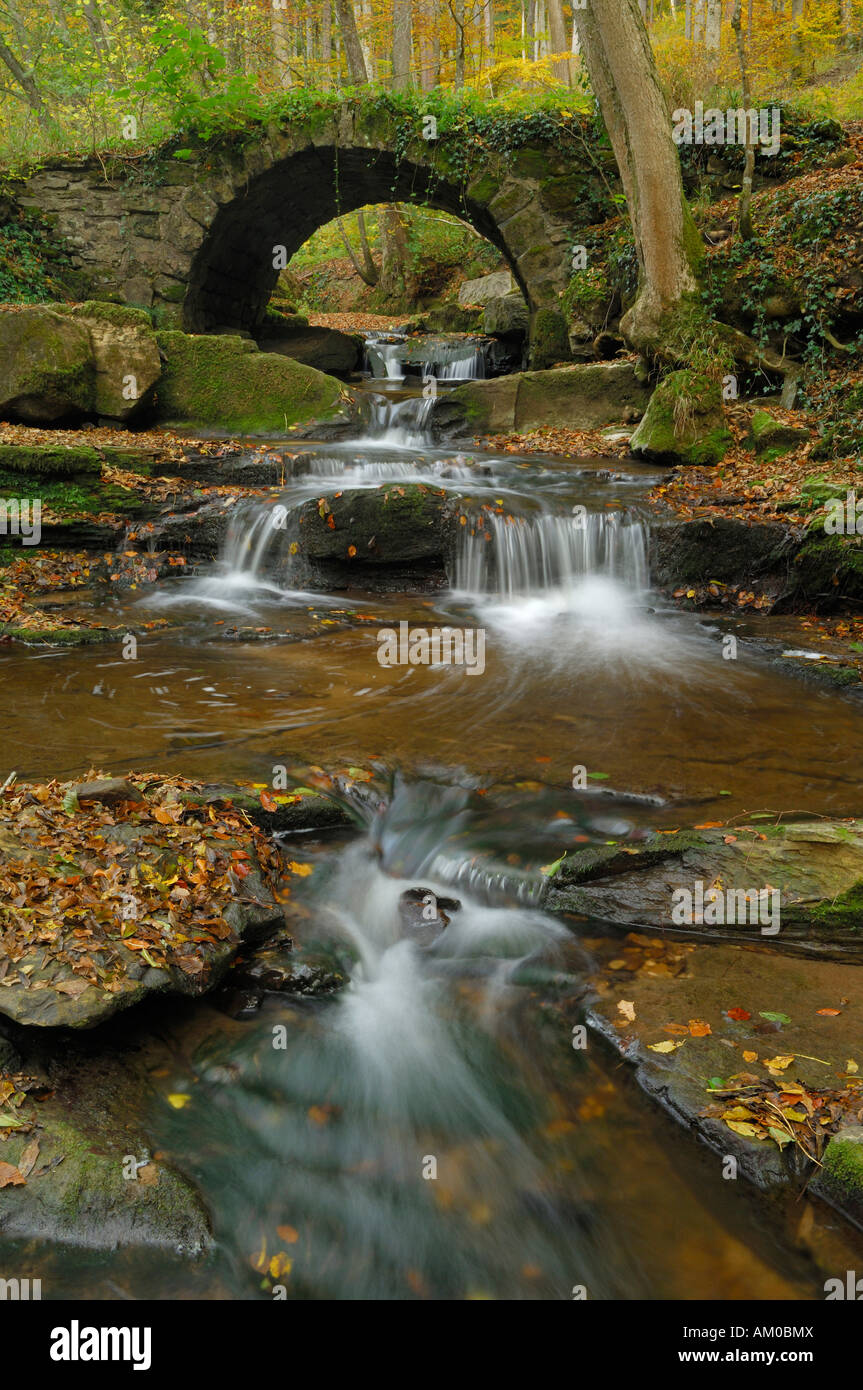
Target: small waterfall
column 402, row 424
column 512, row 556
column 394, row 357
column 384, row 357
column 256, row 533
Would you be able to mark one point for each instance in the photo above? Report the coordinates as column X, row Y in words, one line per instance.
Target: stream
column 431, row 1132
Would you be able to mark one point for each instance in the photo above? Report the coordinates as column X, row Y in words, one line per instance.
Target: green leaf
column 775, row 1018
column 781, row 1136
column 598, row 776
column 70, row 802
column 716, row 1083
column 550, row 869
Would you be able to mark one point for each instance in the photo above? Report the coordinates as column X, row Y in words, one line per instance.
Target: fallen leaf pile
column 150, row 874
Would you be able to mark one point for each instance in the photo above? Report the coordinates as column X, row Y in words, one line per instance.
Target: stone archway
column 190, row 234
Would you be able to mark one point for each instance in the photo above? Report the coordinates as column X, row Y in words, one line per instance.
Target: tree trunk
column 326, row 43
column 623, row 75
column 558, row 42
column 713, row 28
column 27, row 83
column 396, row 281
column 744, row 213
column 401, row 45
column 460, row 44
column 351, row 39
column 365, row 268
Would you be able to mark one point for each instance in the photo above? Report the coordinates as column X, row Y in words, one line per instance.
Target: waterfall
column 513, row 556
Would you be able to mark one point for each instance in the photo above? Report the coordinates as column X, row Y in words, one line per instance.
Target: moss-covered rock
column 52, row 461
column 126, row 359
column 507, row 317
column 721, row 548
column 578, row 397
column 549, row 340
column 46, row 366
column 772, row 437
column 225, row 383
column 684, row 422
column 840, row 1179
column 375, row 526
column 815, row 871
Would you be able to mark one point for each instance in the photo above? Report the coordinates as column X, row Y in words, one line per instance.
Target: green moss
column 48, row 460
column 225, row 383
column 119, row 315
column 61, row 636
column 684, row 422
column 829, row 569
column 549, row 339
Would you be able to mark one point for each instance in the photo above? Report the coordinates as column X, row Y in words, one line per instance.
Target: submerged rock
column 424, row 915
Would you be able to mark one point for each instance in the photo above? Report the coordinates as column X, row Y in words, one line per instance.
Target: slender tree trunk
column 353, row 48
column 558, row 42
column 281, row 47
column 401, row 45
column 623, row 75
column 30, row 91
column 365, row 268
column 744, row 213
column 460, row 43
column 326, row 43
column 713, row 28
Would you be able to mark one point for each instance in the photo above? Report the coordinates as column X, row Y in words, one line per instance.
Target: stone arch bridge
column 192, row 238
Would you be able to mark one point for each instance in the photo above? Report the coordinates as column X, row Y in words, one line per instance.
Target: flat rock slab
column 815, row 868
column 103, row 902
column 742, row 1034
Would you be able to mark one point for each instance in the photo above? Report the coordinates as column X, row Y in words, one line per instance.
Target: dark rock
column 326, row 349
column 109, row 790
column 424, row 915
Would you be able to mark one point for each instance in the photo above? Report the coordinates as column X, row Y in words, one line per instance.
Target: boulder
column 47, row 372
column 126, row 358
column 580, row 397
column 323, row 348
column 684, row 422
column 773, row 438
column 815, row 871
column 225, row 383
column 549, row 340
column 506, row 317
column 367, row 534
column 486, row 288
column 721, row 548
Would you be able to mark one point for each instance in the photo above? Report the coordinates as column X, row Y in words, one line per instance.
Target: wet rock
column 805, row 885
column 109, row 790
column 708, row 1000
column 577, row 397
column 368, row 537
column 295, row 812
column 424, row 915
column 733, row 552
column 507, row 317
column 281, row 970
column 89, row 1177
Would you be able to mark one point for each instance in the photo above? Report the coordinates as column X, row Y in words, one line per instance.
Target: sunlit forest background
column 93, row 75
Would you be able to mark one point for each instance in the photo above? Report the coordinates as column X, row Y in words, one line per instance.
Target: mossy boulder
column 47, row 372
column 226, row 383
column 52, row 461
column 684, row 422
column 549, row 340
column 579, row 397
column 840, row 1179
column 721, row 548
column 126, row 359
column 772, row 437
column 326, row 349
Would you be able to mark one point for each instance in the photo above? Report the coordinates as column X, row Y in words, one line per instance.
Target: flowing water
column 430, row 1132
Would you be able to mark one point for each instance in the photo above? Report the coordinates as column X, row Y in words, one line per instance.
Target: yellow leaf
column 778, row 1063
column 750, row 1056
column 178, row 1100
column 668, row 1046
column 851, row 1067
column 627, row 1008
column 301, row 870
column 741, row 1127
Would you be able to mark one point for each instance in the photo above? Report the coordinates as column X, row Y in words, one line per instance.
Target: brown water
column 552, row 1170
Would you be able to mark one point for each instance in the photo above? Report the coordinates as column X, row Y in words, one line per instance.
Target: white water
column 531, row 555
